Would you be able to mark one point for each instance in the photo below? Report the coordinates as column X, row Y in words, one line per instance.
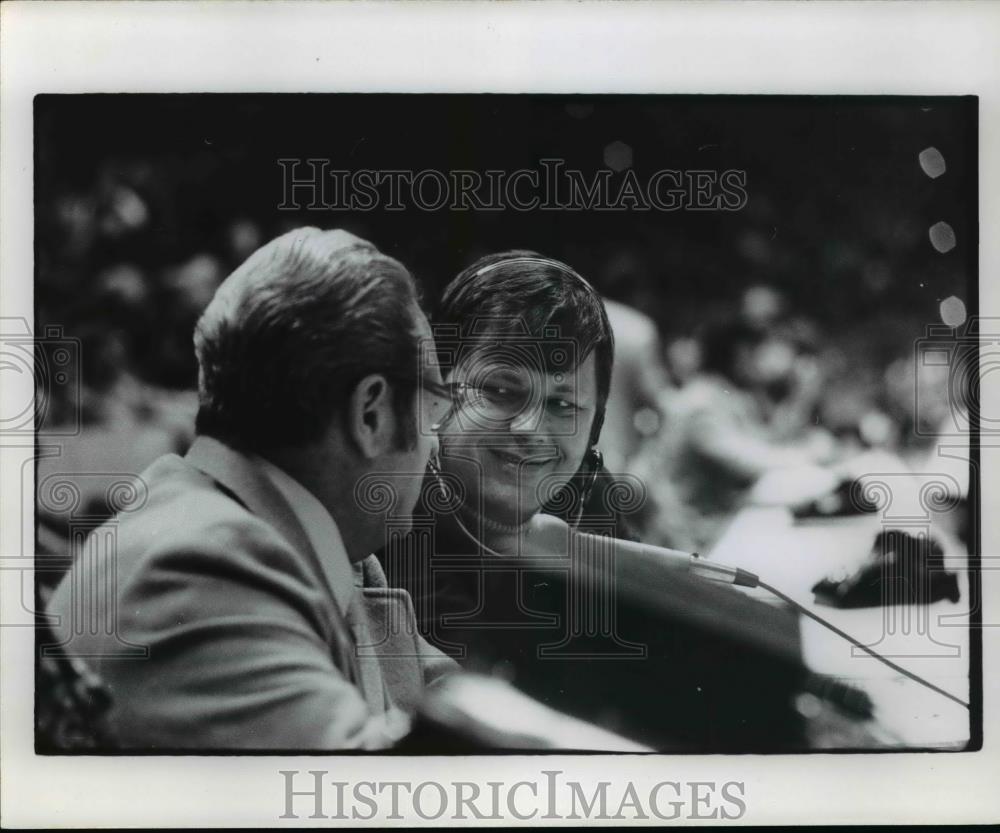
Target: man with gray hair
column 239, row 606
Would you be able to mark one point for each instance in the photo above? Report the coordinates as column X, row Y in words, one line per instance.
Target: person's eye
column 563, row 406
column 491, row 391
column 500, row 391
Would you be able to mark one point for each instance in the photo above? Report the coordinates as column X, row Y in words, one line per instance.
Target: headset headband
column 545, row 261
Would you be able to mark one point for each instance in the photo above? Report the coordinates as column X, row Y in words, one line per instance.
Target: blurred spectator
column 636, row 413
column 243, row 238
column 683, row 355
column 637, row 384
column 124, row 212
column 186, row 291
column 75, row 218
column 762, row 306
column 917, row 395
column 193, row 284
column 719, row 438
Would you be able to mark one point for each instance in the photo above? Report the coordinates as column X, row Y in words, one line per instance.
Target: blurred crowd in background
column 782, row 332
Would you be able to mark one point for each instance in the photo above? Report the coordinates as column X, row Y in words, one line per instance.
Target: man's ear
column 371, row 420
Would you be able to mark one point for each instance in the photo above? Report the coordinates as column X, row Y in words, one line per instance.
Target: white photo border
column 857, row 48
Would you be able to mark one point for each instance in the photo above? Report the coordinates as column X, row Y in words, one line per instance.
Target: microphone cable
column 885, row 661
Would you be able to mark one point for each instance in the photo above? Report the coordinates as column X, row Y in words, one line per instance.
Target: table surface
column 929, row 640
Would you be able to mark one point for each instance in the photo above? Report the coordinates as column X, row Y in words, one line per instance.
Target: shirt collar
column 320, row 529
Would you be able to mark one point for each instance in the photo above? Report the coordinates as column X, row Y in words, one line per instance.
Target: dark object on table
column 845, row 696
column 846, row 500
column 900, row 569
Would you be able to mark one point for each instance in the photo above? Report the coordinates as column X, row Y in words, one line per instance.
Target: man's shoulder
column 183, row 502
column 188, row 542
column 187, row 518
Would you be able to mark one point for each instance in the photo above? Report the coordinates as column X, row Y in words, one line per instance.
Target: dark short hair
column 292, row 331
column 520, row 290
column 722, row 338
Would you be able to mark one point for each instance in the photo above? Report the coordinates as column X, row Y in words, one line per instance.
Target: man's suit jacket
column 213, row 622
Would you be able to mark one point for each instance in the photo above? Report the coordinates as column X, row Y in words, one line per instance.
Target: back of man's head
column 291, row 332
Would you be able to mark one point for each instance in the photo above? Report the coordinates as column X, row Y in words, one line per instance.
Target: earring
column 434, row 465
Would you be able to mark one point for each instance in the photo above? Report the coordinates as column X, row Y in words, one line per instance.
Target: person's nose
column 529, row 420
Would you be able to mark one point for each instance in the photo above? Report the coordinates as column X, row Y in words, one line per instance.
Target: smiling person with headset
column 526, row 350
